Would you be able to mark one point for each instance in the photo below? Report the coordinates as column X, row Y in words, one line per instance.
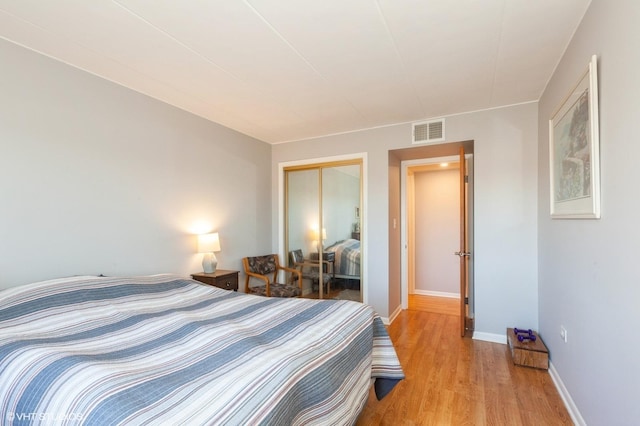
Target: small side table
column 226, row 280
column 328, row 257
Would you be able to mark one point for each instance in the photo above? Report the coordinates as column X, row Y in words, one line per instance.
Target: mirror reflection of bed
column 340, row 272
column 347, row 268
column 323, row 217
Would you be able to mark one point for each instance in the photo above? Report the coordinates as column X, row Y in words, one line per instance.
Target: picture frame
column 574, row 151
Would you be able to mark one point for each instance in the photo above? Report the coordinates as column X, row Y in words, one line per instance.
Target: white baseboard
column 490, row 337
column 566, row 397
column 392, row 317
column 437, row 294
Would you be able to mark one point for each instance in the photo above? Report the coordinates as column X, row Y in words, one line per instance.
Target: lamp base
column 209, row 263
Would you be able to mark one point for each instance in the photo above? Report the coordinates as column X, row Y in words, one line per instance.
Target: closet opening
column 323, row 227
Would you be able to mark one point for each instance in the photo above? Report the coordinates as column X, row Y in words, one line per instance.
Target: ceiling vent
column 428, row 131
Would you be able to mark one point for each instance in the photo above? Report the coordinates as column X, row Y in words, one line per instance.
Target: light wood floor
column 459, row 381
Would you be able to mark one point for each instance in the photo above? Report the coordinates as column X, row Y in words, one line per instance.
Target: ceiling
column 285, row 70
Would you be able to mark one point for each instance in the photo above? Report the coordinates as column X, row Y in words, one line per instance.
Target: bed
column 167, row 350
column 347, row 255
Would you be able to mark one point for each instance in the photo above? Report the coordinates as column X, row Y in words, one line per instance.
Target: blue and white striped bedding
column 165, row 350
column 347, row 257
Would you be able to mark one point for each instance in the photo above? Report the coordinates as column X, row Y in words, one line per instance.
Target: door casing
column 404, row 187
column 362, row 156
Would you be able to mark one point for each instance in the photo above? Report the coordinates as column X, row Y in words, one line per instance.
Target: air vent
column 428, row 131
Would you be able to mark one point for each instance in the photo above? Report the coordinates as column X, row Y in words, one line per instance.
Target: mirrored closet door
column 323, row 216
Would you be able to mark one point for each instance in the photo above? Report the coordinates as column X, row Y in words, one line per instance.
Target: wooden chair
column 310, row 269
column 266, row 269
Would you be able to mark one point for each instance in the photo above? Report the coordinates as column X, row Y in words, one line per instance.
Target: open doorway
column 431, row 248
column 433, row 228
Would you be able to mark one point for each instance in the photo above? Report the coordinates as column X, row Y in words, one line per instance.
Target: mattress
column 166, row 350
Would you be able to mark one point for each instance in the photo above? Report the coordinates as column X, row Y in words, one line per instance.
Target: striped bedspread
column 347, row 257
column 165, row 350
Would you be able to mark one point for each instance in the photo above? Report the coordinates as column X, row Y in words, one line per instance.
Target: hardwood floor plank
column 459, row 381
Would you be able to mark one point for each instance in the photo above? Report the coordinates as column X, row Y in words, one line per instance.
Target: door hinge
column 470, row 324
column 466, row 300
column 466, row 179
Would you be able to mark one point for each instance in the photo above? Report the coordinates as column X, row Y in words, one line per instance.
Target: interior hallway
column 459, row 381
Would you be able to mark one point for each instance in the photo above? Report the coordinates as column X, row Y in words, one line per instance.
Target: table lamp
column 316, row 237
column 208, row 244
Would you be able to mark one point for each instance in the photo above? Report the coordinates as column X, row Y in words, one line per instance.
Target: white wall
column 95, row 178
column 437, row 231
column 99, row 179
column 505, row 209
column 589, row 276
column 341, row 196
column 303, row 205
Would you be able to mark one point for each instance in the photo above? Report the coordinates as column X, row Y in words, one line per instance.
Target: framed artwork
column 574, row 151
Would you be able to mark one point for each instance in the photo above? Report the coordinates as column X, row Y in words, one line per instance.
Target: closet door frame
column 281, row 228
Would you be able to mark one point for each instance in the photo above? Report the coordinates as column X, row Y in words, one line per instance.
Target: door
column 464, row 253
column 322, row 212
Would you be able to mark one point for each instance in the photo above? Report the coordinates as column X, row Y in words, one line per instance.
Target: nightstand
column 328, row 257
column 227, row 280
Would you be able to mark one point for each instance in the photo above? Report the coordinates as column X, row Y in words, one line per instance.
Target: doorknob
column 462, row 253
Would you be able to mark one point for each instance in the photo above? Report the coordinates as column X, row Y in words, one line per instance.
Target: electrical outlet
column 563, row 333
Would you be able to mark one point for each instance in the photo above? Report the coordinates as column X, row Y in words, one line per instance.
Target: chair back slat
column 263, row 265
column 265, row 270
column 296, row 257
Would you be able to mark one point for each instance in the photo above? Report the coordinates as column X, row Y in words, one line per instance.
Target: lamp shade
column 208, row 243
column 315, row 235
